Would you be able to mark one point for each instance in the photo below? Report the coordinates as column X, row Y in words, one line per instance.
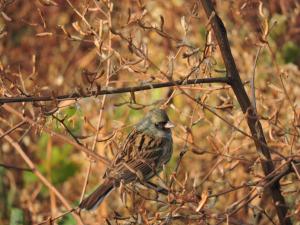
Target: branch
column 12, row 129
column 113, row 91
column 15, row 167
column 243, row 99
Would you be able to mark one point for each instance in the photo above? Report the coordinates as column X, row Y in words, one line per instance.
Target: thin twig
column 13, row 128
column 252, row 81
column 66, row 128
column 15, row 167
column 50, row 220
column 57, row 135
column 101, row 106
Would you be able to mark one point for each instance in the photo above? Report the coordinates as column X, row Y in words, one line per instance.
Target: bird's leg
column 155, row 187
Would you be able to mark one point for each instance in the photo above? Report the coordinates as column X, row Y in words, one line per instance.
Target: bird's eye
column 160, row 125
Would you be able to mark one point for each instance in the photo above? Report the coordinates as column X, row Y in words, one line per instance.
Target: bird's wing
column 140, row 157
column 123, row 152
column 126, row 147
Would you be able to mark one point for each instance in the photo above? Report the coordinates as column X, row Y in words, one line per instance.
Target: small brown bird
column 147, row 148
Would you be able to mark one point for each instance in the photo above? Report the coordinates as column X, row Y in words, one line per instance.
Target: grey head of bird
column 156, row 123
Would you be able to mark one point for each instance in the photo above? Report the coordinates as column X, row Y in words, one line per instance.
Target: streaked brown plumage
column 147, row 148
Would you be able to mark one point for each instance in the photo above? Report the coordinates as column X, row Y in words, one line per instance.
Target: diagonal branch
column 40, row 176
column 243, row 99
column 12, row 129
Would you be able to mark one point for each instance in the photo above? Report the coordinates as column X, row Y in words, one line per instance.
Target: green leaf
column 73, row 119
column 291, row 52
column 3, row 194
column 70, row 111
column 280, row 27
column 16, row 217
column 67, row 220
column 61, row 172
column 156, row 94
column 118, row 112
column 42, row 144
column 135, row 115
column 202, row 31
column 29, row 178
column 62, row 166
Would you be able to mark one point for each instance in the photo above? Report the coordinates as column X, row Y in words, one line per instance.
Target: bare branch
column 113, row 91
column 243, row 99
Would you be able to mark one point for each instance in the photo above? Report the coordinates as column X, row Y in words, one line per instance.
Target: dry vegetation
column 54, row 151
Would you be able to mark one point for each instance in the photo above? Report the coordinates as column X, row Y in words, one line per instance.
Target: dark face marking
column 161, row 125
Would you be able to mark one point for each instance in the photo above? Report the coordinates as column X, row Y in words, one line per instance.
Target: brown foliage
column 80, row 48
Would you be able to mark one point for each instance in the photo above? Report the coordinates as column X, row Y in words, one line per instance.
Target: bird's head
column 157, row 122
column 160, row 119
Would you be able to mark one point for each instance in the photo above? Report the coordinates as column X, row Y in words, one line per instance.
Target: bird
column 145, row 151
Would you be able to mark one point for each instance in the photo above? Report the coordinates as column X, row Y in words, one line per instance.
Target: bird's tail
column 94, row 200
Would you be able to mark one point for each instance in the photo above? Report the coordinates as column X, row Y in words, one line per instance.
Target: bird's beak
column 169, row 124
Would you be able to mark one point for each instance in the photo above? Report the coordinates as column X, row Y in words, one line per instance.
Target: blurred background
column 62, row 47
